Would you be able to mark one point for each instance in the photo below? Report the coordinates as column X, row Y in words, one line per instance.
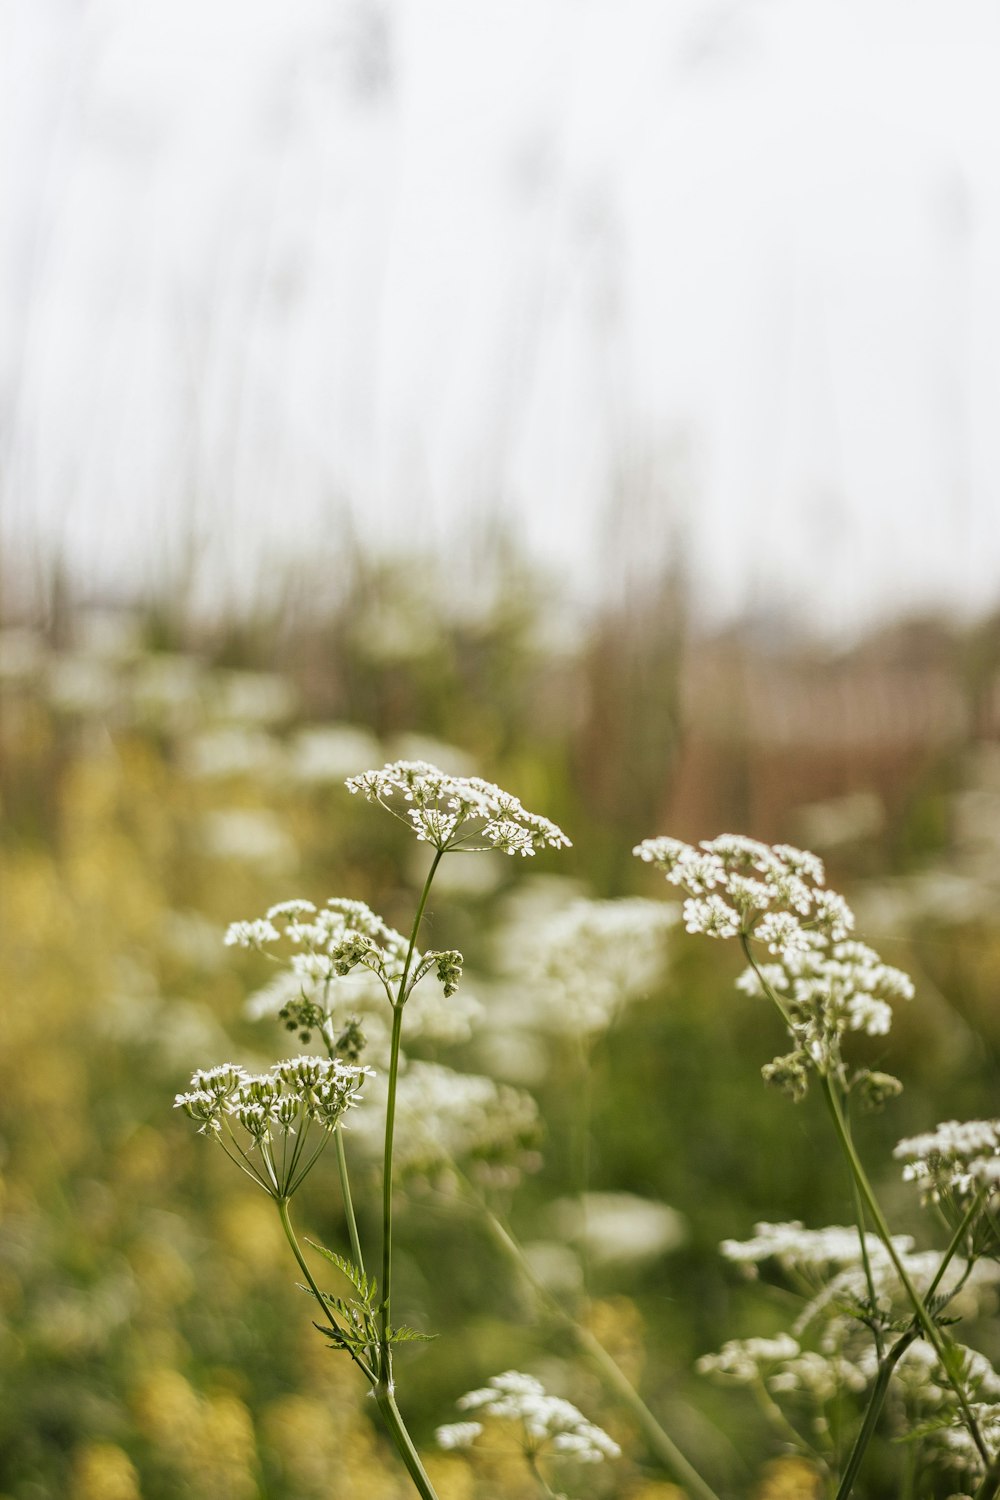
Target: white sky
column 261, row 260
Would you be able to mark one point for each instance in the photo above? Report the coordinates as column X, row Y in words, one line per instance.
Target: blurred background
column 600, row 398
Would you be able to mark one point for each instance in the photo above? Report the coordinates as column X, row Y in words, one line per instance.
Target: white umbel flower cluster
column 345, row 961
column 746, row 1361
column 548, row 1424
column 827, row 1266
column 262, row 1112
column 824, row 982
column 457, row 812
column 735, row 884
column 844, row 1295
column 580, row 965
column 953, row 1160
column 334, row 939
column 784, row 1368
column 443, row 1119
column 808, row 1253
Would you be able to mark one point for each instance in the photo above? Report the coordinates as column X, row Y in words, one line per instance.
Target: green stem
column 930, row 1330
column 402, row 1440
column 385, row 1304
column 614, row 1379
column 582, row 1153
column 531, row 1459
column 889, row 1363
column 869, row 1201
column 990, row 1483
column 345, row 1191
column 286, row 1225
column 859, row 1219
column 875, row 1404
column 956, row 1240
column 773, row 1413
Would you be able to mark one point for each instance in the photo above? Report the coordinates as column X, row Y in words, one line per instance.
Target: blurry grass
column 152, row 1340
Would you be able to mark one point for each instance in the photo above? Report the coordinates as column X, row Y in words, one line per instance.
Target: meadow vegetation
column 161, row 780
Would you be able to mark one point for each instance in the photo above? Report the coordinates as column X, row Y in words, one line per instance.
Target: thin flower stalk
column 348, row 1201
column 385, row 1352
column 612, row 1376
column 886, row 1370
column 286, row 1224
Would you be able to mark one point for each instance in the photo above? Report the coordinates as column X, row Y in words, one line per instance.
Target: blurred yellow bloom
column 102, row 1471
column 789, row 1479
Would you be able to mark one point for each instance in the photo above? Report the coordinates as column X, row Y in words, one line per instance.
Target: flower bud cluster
column 457, row 812
column 548, row 1424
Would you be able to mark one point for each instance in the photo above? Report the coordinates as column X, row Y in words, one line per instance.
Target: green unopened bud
column 789, row 1074
column 351, row 1042
column 876, row 1089
column 449, row 969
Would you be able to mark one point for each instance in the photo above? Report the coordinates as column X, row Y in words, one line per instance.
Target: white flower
column 458, row 1434
column 832, row 914
column 548, row 1423
column 251, row 934
column 783, row 934
column 458, row 812
column 711, row 916
column 951, row 1159
column 618, row 1227
column 810, row 1251
column 746, row 1360
column 577, row 967
column 444, row 1117
column 268, row 1107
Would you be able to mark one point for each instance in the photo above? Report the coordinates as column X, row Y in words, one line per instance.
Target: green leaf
column 404, row 1335
column 342, row 1340
column 365, row 1286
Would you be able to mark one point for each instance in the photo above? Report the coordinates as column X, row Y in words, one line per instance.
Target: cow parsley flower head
column 445, row 1118
column 340, row 963
column 457, row 812
column 578, row 966
column 809, row 1253
column 747, row 1361
column 824, row 982
column 264, row 1120
column 952, row 1162
column 548, row 1425
column 334, row 939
